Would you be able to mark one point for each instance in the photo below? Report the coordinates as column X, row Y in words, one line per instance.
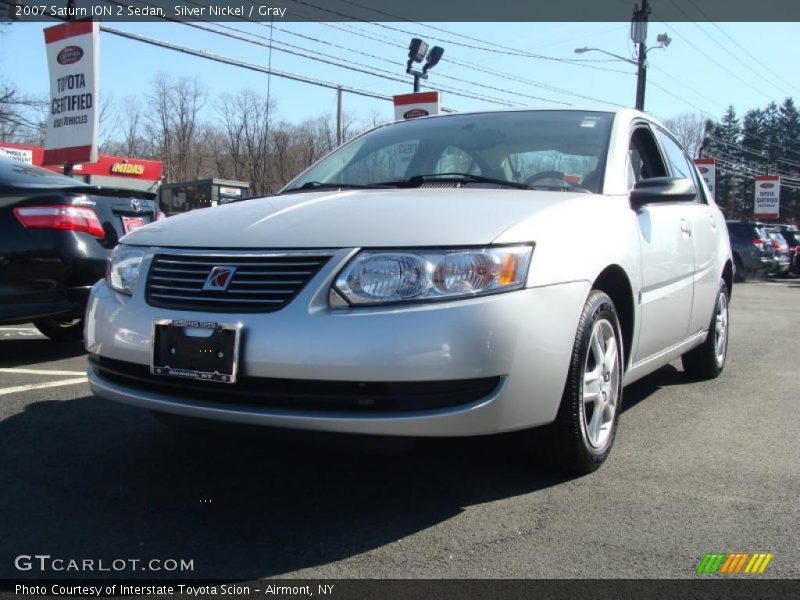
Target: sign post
column 768, row 197
column 73, row 61
column 708, row 171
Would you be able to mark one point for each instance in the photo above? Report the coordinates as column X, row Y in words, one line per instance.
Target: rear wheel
column 586, row 425
column 708, row 360
column 61, row 330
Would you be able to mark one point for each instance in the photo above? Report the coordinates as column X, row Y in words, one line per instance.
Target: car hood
column 355, row 218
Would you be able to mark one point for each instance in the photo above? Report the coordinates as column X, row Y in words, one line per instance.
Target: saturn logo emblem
column 219, row 279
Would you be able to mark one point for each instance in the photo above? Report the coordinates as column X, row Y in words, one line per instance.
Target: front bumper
column 523, row 338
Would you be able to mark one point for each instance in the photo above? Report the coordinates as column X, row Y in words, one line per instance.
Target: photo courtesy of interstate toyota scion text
column 454, row 275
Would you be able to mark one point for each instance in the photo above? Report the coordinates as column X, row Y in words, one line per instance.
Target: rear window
column 744, row 230
column 18, row 174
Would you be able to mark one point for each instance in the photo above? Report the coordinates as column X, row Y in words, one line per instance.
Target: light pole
column 417, row 52
column 639, row 36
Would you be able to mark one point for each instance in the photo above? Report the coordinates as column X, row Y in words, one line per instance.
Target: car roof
column 625, row 113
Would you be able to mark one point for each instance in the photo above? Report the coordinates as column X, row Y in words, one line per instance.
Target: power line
column 516, row 51
column 496, row 73
column 705, row 54
column 734, row 41
column 721, row 46
column 325, row 58
column 498, row 50
column 237, row 63
column 392, row 75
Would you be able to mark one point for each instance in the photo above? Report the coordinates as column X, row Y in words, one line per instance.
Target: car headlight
column 380, row 276
column 123, row 266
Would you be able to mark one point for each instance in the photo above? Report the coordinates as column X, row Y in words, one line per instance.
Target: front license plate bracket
column 196, row 350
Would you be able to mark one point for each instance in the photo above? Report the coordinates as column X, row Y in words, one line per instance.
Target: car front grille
column 261, row 283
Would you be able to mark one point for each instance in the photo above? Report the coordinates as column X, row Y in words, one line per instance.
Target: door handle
column 713, row 222
column 685, row 227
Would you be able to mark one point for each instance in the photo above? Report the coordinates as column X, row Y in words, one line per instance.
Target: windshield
column 18, row 174
column 559, row 149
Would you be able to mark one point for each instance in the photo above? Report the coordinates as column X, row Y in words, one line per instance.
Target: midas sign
column 127, row 169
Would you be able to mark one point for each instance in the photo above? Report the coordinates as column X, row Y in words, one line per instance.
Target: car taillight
column 160, row 215
column 776, row 245
column 67, row 218
column 758, row 242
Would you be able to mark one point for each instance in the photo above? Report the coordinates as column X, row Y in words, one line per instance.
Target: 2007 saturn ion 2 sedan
column 418, row 281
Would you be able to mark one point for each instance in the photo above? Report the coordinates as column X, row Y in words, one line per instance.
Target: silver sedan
column 457, row 275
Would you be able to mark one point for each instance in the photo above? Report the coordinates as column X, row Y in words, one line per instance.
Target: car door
column 704, row 223
column 667, row 254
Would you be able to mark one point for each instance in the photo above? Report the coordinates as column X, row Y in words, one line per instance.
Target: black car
column 55, row 236
column 753, row 253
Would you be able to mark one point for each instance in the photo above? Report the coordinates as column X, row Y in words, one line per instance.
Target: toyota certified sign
column 768, row 197
column 72, row 122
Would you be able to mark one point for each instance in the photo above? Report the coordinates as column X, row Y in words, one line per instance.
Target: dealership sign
column 73, row 61
column 419, row 104
column 19, row 154
column 708, row 169
column 768, row 197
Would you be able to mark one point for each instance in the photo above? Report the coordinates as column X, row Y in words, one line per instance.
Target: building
column 190, row 195
column 109, row 171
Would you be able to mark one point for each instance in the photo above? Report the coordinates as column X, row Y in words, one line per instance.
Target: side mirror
column 663, row 189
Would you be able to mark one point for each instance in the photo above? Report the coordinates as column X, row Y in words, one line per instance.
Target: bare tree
column 690, row 129
column 22, row 117
column 173, row 125
column 246, row 120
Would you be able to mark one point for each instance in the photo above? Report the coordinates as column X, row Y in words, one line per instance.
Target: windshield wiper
column 418, row 180
column 311, row 186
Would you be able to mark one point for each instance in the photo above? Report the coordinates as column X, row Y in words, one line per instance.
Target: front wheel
column 61, row 330
column 586, row 425
column 708, row 360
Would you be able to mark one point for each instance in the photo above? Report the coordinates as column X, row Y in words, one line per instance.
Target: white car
column 416, row 282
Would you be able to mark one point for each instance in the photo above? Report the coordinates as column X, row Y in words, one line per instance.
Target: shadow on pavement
column 666, row 376
column 23, row 352
column 87, row 478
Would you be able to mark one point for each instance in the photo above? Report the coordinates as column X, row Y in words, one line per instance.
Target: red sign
column 108, row 166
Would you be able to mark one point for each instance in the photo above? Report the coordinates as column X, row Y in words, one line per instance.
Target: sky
column 706, row 67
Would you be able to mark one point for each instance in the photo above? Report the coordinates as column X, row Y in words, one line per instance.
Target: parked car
column 56, row 235
column 753, row 254
column 792, row 237
column 415, row 283
column 783, row 258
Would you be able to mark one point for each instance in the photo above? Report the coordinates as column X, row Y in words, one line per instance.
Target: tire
column 740, row 272
column 708, row 360
column 582, row 437
column 61, row 330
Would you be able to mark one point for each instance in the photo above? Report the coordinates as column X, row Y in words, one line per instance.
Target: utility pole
column 339, row 118
column 639, row 35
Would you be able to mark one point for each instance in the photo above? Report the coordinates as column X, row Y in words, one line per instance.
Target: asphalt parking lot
column 697, row 467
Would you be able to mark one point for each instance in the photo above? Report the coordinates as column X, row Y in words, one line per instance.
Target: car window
column 384, row 164
column 644, row 158
column 457, row 160
column 18, row 174
column 679, row 164
column 525, row 147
